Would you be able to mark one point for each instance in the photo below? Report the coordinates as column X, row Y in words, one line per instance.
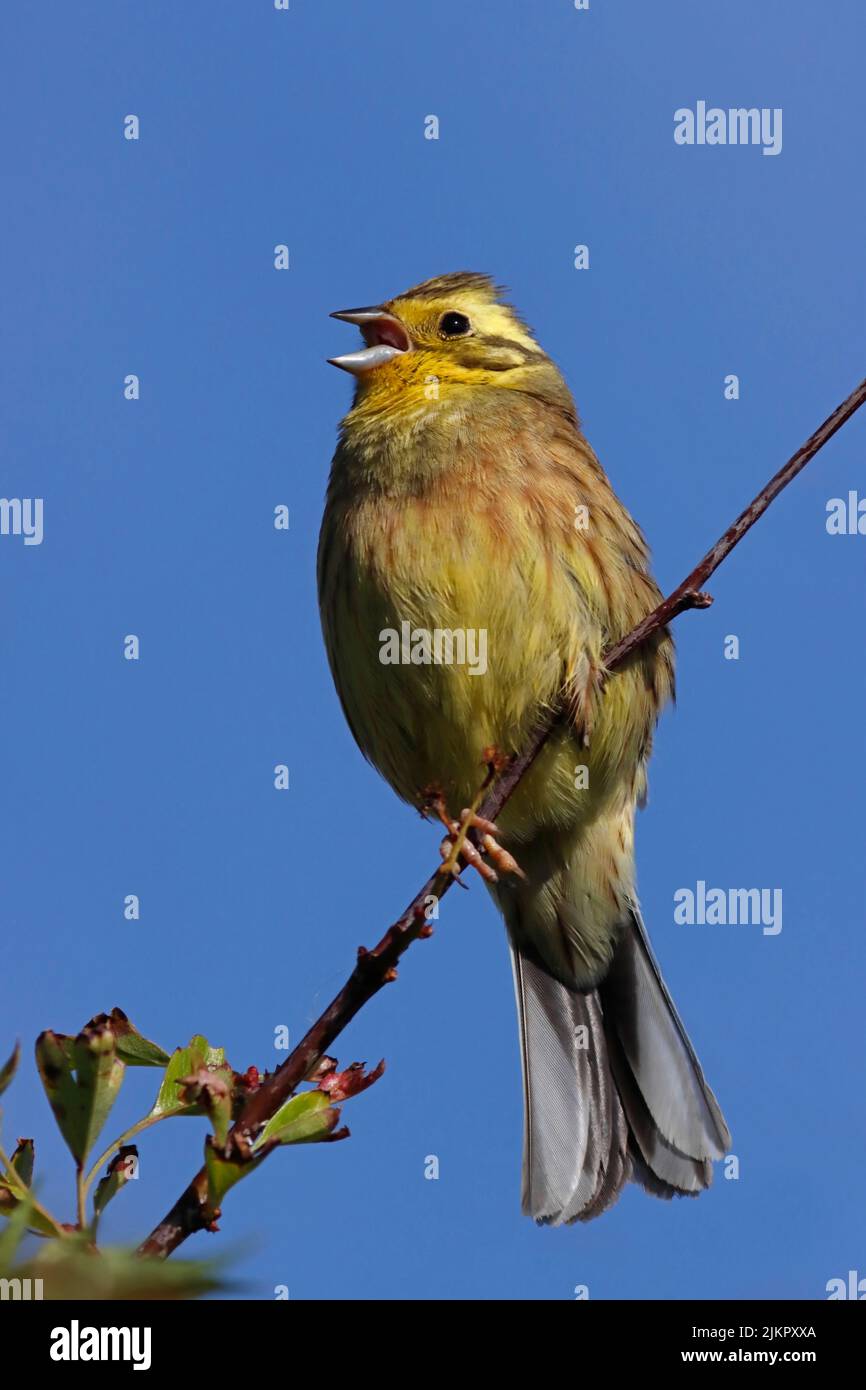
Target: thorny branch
column 376, row 967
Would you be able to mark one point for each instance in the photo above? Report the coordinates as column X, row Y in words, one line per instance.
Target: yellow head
column 441, row 337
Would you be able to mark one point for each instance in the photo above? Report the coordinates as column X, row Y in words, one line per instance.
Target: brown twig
column 377, row 967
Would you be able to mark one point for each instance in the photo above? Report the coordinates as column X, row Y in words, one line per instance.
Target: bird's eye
column 454, row 325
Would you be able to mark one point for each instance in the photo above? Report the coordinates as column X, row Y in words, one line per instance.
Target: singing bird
column 464, row 499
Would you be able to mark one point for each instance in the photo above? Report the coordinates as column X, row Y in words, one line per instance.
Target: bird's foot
column 457, row 846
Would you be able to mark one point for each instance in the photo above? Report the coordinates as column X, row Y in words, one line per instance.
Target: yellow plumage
column 463, row 496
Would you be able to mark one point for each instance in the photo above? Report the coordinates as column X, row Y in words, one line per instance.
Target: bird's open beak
column 384, row 336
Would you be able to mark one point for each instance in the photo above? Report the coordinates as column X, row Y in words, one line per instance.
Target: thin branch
column 377, row 967
column 80, row 1199
column 118, row 1143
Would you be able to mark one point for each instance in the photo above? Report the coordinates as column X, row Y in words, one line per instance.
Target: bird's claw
column 457, row 846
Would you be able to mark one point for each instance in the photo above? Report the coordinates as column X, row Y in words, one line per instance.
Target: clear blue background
column 156, row 778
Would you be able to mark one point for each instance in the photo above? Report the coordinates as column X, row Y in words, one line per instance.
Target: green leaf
column 14, row 1231
column 8, row 1070
column 120, row 1171
column 211, row 1090
column 39, row 1222
column 22, row 1160
column 223, row 1173
column 173, row 1097
column 169, row 1100
column 132, row 1047
column 55, row 1070
column 305, row 1119
column 219, row 1100
column 81, row 1080
column 15, row 1194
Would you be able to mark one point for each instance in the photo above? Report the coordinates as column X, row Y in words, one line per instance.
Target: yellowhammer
column 474, row 564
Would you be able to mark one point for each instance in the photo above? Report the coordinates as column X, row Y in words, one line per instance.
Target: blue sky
column 155, row 777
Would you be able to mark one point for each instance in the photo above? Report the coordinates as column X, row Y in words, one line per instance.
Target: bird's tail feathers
column 613, row 1089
